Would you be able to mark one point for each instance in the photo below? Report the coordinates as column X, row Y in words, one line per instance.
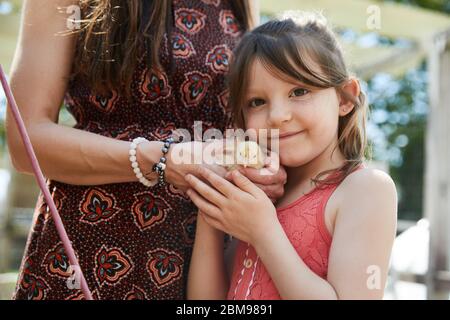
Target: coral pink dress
column 304, row 224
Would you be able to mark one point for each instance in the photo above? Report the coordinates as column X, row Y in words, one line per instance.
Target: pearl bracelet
column 135, row 165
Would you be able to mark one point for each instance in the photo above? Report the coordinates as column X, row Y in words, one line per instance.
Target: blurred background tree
column 437, row 5
column 397, row 127
column 399, row 109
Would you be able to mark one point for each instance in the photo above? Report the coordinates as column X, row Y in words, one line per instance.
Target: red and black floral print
column 190, row 20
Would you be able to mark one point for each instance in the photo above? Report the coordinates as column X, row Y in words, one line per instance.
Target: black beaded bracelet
column 160, row 167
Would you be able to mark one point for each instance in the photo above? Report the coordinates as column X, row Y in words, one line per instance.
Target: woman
column 134, row 69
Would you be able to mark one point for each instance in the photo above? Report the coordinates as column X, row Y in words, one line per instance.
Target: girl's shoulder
column 367, row 190
column 367, row 178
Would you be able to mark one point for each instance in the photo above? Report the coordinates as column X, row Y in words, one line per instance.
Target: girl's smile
column 289, row 134
column 286, row 136
column 288, row 139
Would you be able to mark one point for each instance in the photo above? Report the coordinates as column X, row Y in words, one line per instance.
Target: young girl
column 331, row 234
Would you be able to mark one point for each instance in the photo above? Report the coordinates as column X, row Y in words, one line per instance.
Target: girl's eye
column 256, row 103
column 299, row 92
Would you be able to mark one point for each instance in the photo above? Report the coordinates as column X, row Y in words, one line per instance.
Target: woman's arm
column 39, row 76
column 207, row 278
column 359, row 256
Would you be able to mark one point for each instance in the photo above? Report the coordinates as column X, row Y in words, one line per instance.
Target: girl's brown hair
column 294, row 49
column 113, row 33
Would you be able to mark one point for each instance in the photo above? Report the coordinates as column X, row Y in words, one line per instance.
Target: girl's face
column 309, row 116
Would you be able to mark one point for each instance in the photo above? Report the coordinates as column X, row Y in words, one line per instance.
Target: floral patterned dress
column 135, row 242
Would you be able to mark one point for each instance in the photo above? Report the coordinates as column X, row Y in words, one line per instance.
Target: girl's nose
column 279, row 114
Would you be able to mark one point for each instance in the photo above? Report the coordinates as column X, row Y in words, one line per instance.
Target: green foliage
column 437, row 5
column 396, row 129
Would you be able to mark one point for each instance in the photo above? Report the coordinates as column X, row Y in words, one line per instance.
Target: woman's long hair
column 113, row 33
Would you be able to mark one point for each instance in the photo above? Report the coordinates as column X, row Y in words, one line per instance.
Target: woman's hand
column 188, row 158
column 242, row 210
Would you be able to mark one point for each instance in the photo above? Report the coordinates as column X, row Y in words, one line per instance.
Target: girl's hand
column 204, row 227
column 241, row 210
column 270, row 179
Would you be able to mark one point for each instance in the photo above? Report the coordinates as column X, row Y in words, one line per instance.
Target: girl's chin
column 289, row 159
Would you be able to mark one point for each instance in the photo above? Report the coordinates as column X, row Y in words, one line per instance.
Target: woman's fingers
column 203, row 205
column 273, row 191
column 270, row 179
column 264, row 176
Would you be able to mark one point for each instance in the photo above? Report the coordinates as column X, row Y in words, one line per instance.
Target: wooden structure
column 437, row 170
